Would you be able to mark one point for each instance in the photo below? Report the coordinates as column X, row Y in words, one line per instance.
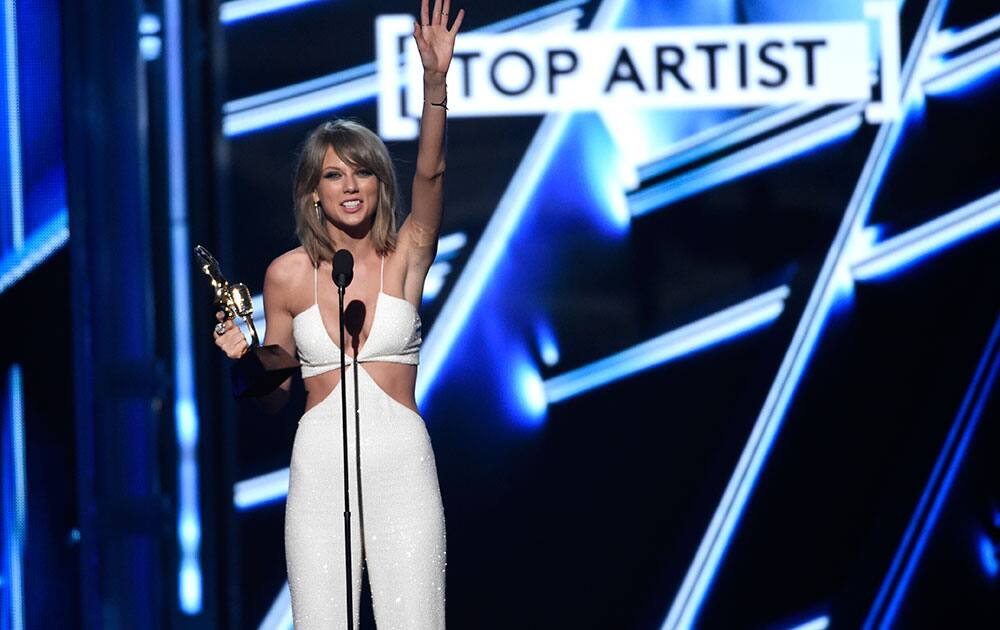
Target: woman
column 345, row 190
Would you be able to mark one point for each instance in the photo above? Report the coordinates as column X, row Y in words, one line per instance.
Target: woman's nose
column 350, row 183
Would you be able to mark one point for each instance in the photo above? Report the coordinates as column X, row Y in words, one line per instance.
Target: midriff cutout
column 396, row 380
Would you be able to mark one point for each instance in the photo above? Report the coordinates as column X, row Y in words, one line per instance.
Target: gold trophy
column 261, row 369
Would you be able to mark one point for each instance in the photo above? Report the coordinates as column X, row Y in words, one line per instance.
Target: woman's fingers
column 436, row 12
column 423, row 13
column 232, row 341
column 458, row 21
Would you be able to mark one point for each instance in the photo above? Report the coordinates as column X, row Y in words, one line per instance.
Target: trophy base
column 260, row 371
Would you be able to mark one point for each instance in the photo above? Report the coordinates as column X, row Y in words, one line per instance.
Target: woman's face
column 347, row 195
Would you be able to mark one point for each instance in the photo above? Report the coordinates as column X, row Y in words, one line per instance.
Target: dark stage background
column 713, row 368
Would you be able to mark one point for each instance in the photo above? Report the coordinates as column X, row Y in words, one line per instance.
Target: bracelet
column 443, row 103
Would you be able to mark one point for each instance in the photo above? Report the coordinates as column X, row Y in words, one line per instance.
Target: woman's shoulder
column 289, row 269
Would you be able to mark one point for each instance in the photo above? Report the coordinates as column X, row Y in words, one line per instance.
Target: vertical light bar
column 924, row 519
column 189, row 578
column 14, row 503
column 13, row 124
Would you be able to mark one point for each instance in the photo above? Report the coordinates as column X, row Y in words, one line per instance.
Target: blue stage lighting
column 965, row 71
column 548, row 348
column 13, row 503
column 346, row 87
column 43, row 242
column 988, row 556
column 820, row 623
column 794, row 142
column 724, row 135
column 279, row 615
column 13, row 123
column 699, row 335
column 185, row 399
column 239, row 10
column 687, row 603
column 931, row 237
column 488, row 251
column 257, row 491
column 530, row 392
column 924, row 518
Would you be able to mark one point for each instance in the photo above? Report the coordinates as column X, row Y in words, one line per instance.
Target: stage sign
column 711, row 67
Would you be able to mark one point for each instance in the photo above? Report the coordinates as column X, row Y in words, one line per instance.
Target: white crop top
column 394, row 337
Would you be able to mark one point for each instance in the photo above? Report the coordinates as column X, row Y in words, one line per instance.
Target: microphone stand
column 357, row 441
column 347, row 490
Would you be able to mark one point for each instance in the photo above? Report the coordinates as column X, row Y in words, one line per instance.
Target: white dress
column 397, row 519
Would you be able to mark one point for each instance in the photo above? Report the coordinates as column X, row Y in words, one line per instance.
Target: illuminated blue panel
column 434, row 282
column 448, row 248
column 43, row 241
column 189, row 578
column 346, row 87
column 286, row 110
column 988, row 556
column 548, row 348
column 32, row 180
column 279, row 615
column 298, row 89
column 724, row 135
column 820, row 623
column 924, row 518
column 911, row 246
column 256, row 491
column 449, row 245
column 496, row 236
column 947, row 40
column 697, row 336
column 704, row 567
column 12, row 113
column 965, row 69
column 238, row 10
column 767, row 153
column 13, row 506
column 489, row 250
column 529, row 17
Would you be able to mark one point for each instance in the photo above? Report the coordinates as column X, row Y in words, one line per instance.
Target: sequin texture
column 396, row 510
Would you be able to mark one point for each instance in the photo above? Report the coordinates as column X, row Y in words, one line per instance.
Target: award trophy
column 261, row 369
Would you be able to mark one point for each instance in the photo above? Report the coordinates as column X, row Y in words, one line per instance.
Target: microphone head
column 343, row 268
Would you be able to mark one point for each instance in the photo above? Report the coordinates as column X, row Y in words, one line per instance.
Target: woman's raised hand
column 231, row 340
column 435, row 41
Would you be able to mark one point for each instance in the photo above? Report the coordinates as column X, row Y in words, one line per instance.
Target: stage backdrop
column 682, row 361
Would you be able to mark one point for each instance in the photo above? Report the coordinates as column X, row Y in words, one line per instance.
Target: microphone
column 343, row 268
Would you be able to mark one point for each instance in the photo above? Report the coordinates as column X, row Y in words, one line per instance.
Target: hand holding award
column 258, row 369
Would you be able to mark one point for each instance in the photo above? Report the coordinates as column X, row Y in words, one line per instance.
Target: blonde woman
column 345, row 198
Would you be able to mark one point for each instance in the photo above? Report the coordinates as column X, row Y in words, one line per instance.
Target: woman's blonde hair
column 361, row 148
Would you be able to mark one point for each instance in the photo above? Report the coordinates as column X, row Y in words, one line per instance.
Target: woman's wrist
column 435, row 90
column 434, row 79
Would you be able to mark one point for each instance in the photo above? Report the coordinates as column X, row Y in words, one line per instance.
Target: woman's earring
column 319, row 215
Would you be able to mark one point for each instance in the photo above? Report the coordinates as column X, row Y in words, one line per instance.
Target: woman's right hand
column 232, row 341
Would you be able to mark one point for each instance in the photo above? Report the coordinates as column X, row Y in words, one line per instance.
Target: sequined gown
column 397, row 519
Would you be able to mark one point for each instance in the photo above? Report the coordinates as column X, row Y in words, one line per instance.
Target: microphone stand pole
column 347, row 490
column 357, row 447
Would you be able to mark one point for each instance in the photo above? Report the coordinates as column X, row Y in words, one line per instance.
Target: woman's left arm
column 436, row 43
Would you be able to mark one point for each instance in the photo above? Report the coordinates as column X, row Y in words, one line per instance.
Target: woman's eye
column 331, row 175
column 365, row 172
